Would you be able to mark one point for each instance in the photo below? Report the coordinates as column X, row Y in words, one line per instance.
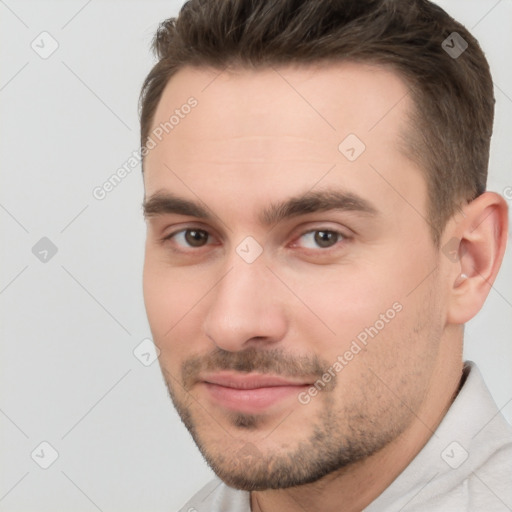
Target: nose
column 245, row 309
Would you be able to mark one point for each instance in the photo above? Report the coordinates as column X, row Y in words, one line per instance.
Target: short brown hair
column 451, row 126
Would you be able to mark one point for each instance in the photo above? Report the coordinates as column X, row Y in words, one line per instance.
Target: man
column 318, row 235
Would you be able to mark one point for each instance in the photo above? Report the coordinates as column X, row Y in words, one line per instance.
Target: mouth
column 250, row 393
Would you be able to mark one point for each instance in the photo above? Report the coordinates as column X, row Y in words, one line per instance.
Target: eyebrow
column 162, row 203
column 312, row 202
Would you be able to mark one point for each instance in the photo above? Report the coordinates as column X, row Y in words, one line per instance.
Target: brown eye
column 196, row 237
column 326, row 239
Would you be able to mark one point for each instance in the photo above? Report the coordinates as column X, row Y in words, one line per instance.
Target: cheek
column 343, row 301
column 174, row 301
column 168, row 296
column 365, row 301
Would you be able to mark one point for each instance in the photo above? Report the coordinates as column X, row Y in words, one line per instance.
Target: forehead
column 278, row 127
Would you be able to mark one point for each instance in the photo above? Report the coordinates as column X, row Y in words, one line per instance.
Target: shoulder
column 478, row 470
column 216, row 496
column 466, row 464
column 489, row 486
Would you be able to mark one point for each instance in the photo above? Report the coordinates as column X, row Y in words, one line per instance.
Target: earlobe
column 482, row 236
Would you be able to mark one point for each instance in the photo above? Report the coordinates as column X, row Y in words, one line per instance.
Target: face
column 289, row 276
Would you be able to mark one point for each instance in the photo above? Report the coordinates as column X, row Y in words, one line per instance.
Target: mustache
column 272, row 361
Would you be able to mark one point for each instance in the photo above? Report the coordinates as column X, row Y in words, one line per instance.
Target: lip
column 250, row 393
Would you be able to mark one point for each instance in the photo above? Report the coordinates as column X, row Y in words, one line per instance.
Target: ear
column 474, row 247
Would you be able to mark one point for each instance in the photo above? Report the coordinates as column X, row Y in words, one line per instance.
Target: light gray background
column 69, row 326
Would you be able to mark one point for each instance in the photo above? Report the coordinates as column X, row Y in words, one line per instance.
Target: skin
column 259, row 137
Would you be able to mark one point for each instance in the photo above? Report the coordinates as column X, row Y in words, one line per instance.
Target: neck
column 354, row 487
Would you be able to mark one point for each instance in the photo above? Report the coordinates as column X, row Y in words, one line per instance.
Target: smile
column 249, row 393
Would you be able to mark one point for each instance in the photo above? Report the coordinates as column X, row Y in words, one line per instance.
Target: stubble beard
column 326, row 449
column 340, row 435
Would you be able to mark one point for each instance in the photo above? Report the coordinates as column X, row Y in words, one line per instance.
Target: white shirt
column 465, row 466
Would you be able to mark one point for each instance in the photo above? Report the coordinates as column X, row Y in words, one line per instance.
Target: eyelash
column 342, row 237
